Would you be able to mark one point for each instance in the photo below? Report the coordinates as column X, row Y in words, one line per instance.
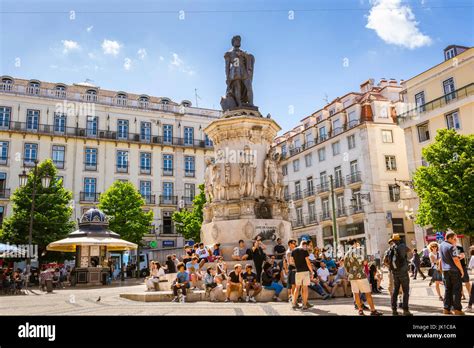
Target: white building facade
column 96, row 137
column 355, row 140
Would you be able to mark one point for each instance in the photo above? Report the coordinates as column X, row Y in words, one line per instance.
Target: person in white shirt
column 324, row 279
column 156, row 272
column 202, row 252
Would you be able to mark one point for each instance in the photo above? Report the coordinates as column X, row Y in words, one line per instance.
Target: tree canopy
column 123, row 205
column 52, row 214
column 188, row 222
column 446, row 186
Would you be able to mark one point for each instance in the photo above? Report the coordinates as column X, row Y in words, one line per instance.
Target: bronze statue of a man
column 239, row 73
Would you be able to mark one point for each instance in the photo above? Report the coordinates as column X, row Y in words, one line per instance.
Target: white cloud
column 111, row 47
column 127, row 64
column 91, row 55
column 162, row 58
column 177, row 62
column 142, row 53
column 69, row 45
column 395, row 24
column 89, row 29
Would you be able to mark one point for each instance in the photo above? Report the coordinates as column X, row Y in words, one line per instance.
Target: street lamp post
column 45, row 180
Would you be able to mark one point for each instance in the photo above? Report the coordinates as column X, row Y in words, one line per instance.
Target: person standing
column 303, row 276
column 353, row 263
column 258, row 256
column 453, row 273
column 291, row 269
column 398, row 265
column 417, row 265
column 436, row 276
column 279, row 252
column 465, row 278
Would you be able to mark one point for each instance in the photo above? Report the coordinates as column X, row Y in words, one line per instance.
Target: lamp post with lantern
column 45, row 182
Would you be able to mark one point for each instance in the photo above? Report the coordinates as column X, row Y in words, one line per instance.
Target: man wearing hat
column 398, row 265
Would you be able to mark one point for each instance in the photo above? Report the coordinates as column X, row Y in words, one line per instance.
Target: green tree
column 123, row 205
column 51, row 218
column 446, row 186
column 188, row 222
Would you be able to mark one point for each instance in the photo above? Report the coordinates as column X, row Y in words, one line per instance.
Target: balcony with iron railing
column 325, row 216
column 356, row 209
column 311, row 219
column 189, row 173
column 354, row 178
column 437, row 103
column 149, row 199
column 5, row 193
column 105, row 100
column 323, row 188
column 47, row 129
column 309, row 192
column 341, row 212
column 3, row 161
column 167, row 171
column 168, row 200
column 338, row 183
column 121, row 168
column 188, row 201
column 145, row 170
column 90, row 166
column 59, row 164
column 91, row 197
column 297, row 195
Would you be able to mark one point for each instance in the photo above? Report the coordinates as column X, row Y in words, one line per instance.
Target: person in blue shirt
column 453, row 273
column 181, row 282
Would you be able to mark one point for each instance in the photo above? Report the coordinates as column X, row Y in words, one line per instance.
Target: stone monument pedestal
column 244, row 183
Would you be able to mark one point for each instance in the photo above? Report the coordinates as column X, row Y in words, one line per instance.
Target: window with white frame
column 59, row 123
column 90, row 160
column 322, row 133
column 387, row 136
column 308, row 158
column 296, row 165
column 322, row 154
column 351, row 141
column 420, row 101
column 167, row 164
column 390, row 163
column 32, row 120
column 284, row 169
column 92, row 125
column 58, row 156
column 122, row 161
column 4, row 152
column 423, row 132
column 189, row 193
column 309, row 139
column 449, row 89
column 188, row 135
column 122, row 129
column 145, row 131
column 336, row 150
column 189, row 167
column 452, row 120
column 145, row 162
column 167, row 133
column 31, row 153
column 394, row 192
column 5, row 116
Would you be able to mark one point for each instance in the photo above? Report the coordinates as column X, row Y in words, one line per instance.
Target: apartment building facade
column 96, row 137
column 356, row 140
column 440, row 97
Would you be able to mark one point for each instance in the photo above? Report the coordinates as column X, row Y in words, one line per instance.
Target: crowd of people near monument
column 303, row 267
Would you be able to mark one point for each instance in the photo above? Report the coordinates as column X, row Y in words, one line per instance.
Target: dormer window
column 143, row 101
column 7, row 84
column 33, row 87
column 60, row 91
column 121, row 99
column 186, row 103
column 91, row 95
column 451, row 53
column 165, row 101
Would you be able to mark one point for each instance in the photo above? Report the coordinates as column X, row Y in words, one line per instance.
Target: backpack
column 392, row 258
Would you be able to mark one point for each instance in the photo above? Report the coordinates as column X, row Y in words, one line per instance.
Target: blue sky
column 323, row 48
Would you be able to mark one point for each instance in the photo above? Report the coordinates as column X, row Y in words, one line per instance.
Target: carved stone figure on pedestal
column 217, row 181
column 239, row 74
column 227, row 171
column 247, row 173
column 208, row 180
column 270, row 182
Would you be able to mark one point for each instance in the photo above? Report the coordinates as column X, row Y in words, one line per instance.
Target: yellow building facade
column 438, row 98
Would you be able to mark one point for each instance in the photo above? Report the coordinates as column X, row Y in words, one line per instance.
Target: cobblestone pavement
column 73, row 301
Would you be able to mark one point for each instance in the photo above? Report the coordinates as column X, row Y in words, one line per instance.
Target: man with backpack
column 397, row 261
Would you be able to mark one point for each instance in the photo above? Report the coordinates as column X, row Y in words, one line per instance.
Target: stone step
column 166, row 295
